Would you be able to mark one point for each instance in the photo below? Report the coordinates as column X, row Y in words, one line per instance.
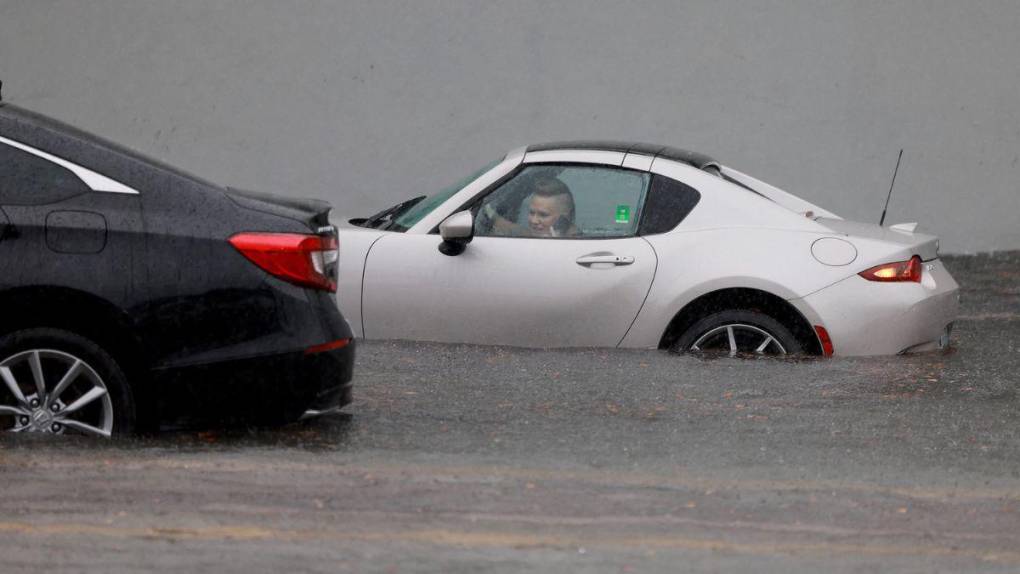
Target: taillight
column 306, row 260
column 901, row 271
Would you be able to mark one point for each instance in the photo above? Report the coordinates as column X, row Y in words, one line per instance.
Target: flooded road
column 463, row 459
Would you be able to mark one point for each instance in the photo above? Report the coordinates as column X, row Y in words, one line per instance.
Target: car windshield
column 424, row 207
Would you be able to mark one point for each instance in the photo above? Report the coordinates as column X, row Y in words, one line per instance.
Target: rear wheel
column 57, row 382
column 738, row 332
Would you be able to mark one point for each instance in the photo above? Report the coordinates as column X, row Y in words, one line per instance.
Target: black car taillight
column 306, row 260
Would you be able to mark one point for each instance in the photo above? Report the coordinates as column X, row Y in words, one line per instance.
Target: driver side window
column 574, row 201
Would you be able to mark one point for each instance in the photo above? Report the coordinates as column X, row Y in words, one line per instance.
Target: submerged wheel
column 56, row 382
column 739, row 333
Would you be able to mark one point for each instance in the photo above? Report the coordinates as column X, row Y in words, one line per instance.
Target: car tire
column 751, row 332
column 58, row 352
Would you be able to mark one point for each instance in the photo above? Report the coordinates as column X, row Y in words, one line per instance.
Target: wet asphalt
column 487, row 459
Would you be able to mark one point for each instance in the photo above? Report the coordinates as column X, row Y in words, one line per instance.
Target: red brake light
column 900, row 271
column 306, row 260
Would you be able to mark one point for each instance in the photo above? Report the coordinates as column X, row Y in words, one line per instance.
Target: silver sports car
column 607, row 244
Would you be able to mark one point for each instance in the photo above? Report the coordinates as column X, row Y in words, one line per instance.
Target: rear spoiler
column 903, row 236
column 312, row 212
column 776, row 195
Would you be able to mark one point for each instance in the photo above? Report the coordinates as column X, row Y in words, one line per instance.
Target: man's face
column 543, row 213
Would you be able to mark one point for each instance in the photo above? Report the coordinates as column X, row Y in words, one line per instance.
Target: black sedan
column 133, row 293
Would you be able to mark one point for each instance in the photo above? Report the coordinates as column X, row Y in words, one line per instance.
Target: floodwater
column 463, row 458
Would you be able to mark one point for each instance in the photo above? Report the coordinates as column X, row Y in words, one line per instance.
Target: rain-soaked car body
column 662, row 248
column 132, row 292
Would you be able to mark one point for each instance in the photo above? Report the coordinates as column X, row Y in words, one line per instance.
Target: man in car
column 550, row 213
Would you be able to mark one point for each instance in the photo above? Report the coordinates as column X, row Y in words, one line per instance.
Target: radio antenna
column 888, row 197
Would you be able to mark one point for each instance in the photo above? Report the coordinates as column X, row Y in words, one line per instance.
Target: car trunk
column 312, row 212
column 916, row 243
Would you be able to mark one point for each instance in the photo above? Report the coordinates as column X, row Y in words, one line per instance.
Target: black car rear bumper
column 335, row 369
column 266, row 389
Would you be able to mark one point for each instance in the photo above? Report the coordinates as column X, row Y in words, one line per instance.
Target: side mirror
column 457, row 231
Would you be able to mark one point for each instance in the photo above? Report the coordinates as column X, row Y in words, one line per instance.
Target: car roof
column 698, row 160
column 76, row 145
column 16, row 112
column 29, row 117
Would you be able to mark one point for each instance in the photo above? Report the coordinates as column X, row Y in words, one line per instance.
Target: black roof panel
column 695, row 159
column 83, row 148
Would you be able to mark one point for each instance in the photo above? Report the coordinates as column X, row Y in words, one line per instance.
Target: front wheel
column 738, row 333
column 57, row 382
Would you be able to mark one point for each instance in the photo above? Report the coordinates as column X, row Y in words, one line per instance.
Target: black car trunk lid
column 312, row 212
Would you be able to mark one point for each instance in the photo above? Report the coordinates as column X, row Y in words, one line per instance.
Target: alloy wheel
column 54, row 392
column 737, row 339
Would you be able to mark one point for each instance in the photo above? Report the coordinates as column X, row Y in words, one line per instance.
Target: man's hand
column 490, row 212
column 499, row 225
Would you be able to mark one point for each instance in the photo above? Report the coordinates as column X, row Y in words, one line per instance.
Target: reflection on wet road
column 460, row 458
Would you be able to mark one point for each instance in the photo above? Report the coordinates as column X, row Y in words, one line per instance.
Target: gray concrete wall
column 366, row 103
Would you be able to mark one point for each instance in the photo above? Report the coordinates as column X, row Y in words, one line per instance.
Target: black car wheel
column 57, row 382
column 739, row 332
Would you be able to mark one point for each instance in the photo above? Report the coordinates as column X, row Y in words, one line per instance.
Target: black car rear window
column 27, row 179
column 667, row 204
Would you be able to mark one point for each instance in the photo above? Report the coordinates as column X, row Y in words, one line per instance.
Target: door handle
column 604, row 258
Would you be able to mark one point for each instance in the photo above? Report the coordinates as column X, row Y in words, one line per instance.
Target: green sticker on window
column 622, row 213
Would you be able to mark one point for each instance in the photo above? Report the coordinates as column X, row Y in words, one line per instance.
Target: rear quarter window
column 668, row 203
column 26, row 179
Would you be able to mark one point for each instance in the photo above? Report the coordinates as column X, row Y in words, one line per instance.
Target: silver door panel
column 506, row 291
